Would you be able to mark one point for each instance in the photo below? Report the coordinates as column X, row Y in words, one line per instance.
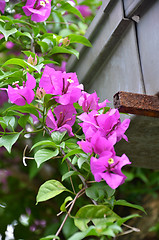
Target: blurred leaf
column 89, row 212
column 23, row 120
column 71, row 145
column 42, row 143
column 43, row 155
column 24, row 64
column 69, row 174
column 23, row 109
column 8, row 140
column 50, row 237
column 58, row 136
column 82, row 160
column 91, row 231
column 127, row 204
column 63, row 206
column 99, row 191
column 74, row 38
column 25, row 34
column 44, row 46
column 123, row 220
column 73, row 152
column 57, row 49
column 69, row 8
column 50, row 61
column 7, row 33
column 11, row 74
column 49, row 190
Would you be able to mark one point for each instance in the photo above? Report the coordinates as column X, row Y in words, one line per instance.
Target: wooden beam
column 139, row 104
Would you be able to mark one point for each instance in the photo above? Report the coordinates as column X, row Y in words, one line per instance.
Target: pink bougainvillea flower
column 61, row 68
column 64, row 85
column 2, row 5
column 90, row 102
column 22, row 94
column 84, row 10
column 108, row 167
column 65, row 118
column 109, row 125
column 89, row 124
column 97, row 144
column 37, row 9
column 17, row 16
column 9, row 44
column 1, row 36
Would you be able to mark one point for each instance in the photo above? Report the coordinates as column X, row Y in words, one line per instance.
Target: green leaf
column 67, row 7
column 63, row 206
column 23, row 120
column 82, row 160
column 89, row 212
column 73, row 152
column 43, row 155
column 8, row 140
column 69, row 174
column 123, row 220
column 127, row 204
column 50, row 237
column 11, row 74
column 24, row 64
column 58, row 136
column 49, row 190
column 7, row 33
column 74, row 38
column 3, row 123
column 44, row 142
column 91, row 231
column 57, row 49
column 50, row 61
column 99, row 191
column 25, row 34
column 44, row 46
column 7, row 121
column 23, row 109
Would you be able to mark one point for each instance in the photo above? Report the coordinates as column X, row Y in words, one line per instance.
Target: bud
column 40, row 93
column 66, row 42
column 32, row 61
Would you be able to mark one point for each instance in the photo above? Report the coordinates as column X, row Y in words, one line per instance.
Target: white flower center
column 110, row 160
column 70, row 80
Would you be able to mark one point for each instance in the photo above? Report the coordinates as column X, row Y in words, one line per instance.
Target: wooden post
column 138, row 104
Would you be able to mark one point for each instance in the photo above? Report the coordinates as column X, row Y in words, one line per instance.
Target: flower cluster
column 37, row 9
column 102, row 130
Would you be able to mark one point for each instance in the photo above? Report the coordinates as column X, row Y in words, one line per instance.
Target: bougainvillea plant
column 57, row 122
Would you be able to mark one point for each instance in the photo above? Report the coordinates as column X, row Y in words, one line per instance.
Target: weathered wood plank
column 138, row 104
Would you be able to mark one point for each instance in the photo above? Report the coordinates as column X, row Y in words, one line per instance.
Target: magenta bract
column 64, row 85
column 96, row 144
column 65, row 118
column 22, row 94
column 2, row 5
column 109, row 125
column 90, row 102
column 37, row 9
column 84, row 10
column 108, row 167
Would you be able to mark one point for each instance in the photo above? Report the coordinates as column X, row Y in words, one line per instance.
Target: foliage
column 69, row 134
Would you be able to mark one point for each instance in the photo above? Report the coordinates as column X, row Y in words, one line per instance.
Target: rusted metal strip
column 139, row 104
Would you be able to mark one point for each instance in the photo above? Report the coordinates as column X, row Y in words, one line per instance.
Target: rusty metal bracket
column 139, row 104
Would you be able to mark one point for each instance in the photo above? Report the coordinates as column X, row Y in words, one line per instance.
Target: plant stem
column 69, row 211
